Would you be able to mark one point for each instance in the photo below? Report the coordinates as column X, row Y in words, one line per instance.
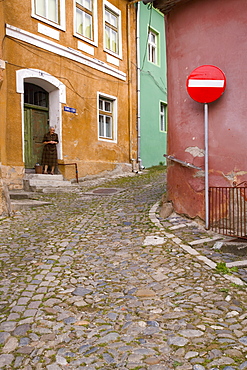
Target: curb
column 187, row 248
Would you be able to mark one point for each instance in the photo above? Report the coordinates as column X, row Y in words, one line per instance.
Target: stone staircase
column 45, row 183
column 37, row 183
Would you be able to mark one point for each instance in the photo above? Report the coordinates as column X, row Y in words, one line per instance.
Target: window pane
column 87, row 4
column 101, row 125
column 101, row 104
column 88, row 26
column 153, row 55
column 113, row 20
column 107, row 16
column 40, row 7
column 163, row 117
column 107, row 38
column 79, row 21
column 52, row 10
column 114, row 41
column 108, row 127
column 107, row 106
column 47, row 9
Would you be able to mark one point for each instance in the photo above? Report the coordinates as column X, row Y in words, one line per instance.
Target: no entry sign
column 206, row 84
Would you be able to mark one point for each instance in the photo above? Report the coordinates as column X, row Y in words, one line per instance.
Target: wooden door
column 36, row 125
column 36, row 109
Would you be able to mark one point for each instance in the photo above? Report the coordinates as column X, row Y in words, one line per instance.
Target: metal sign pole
column 206, row 165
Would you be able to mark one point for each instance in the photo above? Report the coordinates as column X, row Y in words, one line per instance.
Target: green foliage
column 223, row 269
column 176, row 363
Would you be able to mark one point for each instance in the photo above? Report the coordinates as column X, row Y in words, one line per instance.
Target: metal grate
column 228, row 210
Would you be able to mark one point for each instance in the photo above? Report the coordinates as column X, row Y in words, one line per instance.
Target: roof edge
column 165, row 6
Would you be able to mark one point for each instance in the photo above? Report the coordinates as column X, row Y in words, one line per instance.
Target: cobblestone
column 103, row 282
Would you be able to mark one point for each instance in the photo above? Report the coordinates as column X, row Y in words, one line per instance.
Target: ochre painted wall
column 203, row 32
column 79, row 131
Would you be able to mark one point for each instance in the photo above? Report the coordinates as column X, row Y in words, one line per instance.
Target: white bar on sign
column 205, row 83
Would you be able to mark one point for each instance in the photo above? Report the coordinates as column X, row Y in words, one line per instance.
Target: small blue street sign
column 69, row 109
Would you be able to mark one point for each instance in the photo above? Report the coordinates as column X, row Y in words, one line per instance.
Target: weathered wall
column 199, row 33
column 79, row 131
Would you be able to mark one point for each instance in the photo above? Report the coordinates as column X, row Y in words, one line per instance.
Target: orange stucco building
column 71, row 65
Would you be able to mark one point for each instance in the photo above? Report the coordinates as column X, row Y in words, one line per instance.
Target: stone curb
column 189, row 249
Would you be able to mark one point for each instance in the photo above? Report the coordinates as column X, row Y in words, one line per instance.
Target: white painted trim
column 114, row 115
column 48, row 31
column 64, row 51
column 57, row 97
column 166, row 116
column 157, row 45
column 112, row 60
column 85, row 47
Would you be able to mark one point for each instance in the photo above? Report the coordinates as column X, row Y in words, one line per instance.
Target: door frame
column 57, row 97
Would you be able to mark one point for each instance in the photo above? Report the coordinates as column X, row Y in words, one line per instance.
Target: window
column 163, row 117
column 107, row 118
column 112, row 23
column 50, row 11
column 152, row 47
column 84, row 18
column 35, row 95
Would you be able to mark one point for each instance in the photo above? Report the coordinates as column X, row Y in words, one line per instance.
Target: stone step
column 50, row 183
column 38, row 182
column 43, row 177
column 61, row 189
column 18, row 204
column 20, row 194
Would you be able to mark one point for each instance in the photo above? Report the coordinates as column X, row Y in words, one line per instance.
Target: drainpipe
column 138, row 89
column 136, row 163
column 129, row 83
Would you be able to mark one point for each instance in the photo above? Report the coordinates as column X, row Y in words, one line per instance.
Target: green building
column 152, row 110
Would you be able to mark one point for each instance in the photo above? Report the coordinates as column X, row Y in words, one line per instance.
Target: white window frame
column 113, row 115
column 61, row 15
column 163, row 116
column 117, row 13
column 94, row 40
column 153, row 47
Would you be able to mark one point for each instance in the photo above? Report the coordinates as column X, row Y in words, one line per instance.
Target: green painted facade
column 153, row 86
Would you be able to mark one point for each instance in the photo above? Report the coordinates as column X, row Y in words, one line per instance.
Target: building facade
column 202, row 32
column 153, row 89
column 71, row 65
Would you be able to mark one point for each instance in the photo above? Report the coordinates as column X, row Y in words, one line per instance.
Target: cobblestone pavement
column 102, row 282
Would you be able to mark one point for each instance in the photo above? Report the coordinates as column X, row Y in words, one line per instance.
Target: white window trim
column 157, row 33
column 114, row 117
column 118, row 13
column 61, row 26
column 67, row 52
column 95, row 23
column 163, row 103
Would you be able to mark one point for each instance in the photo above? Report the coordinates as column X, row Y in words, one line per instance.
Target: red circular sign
column 206, row 84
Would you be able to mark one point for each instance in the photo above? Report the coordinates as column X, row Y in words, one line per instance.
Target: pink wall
column 206, row 32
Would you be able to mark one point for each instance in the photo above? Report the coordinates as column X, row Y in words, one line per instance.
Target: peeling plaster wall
column 198, row 33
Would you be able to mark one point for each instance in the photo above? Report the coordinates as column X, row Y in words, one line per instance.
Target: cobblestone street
column 103, row 282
